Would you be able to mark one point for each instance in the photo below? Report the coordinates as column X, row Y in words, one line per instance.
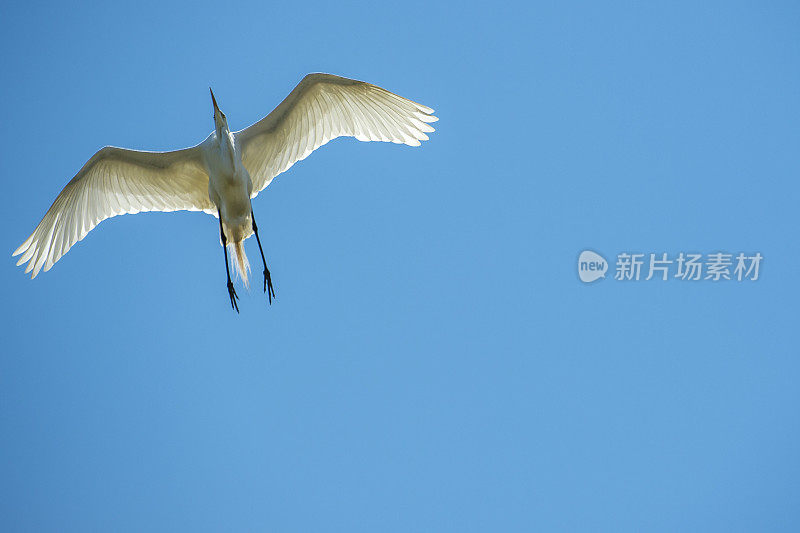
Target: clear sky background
column 432, row 361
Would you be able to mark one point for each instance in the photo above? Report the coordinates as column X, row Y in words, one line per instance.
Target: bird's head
column 220, row 121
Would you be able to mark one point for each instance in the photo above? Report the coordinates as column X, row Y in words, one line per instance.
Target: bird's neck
column 224, row 137
column 223, row 132
column 226, row 146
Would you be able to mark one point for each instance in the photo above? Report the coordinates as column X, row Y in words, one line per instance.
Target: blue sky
column 432, row 361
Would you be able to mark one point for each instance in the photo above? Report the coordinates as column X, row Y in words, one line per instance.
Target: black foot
column 234, row 296
column 268, row 286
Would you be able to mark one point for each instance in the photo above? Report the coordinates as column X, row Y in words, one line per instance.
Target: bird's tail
column 240, row 262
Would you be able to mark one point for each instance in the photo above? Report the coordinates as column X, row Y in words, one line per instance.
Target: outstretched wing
column 116, row 181
column 323, row 107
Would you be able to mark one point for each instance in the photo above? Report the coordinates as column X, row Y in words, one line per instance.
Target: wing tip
column 39, row 265
column 24, row 246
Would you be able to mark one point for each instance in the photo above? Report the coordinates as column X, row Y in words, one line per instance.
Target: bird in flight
column 221, row 175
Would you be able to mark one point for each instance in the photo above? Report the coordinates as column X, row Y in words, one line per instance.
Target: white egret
column 222, row 174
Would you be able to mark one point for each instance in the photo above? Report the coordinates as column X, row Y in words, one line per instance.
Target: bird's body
column 221, row 175
column 229, row 189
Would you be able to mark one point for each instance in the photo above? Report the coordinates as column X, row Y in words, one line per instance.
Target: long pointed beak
column 213, row 100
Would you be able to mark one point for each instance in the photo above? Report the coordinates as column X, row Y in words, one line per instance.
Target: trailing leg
column 267, row 278
column 231, row 290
